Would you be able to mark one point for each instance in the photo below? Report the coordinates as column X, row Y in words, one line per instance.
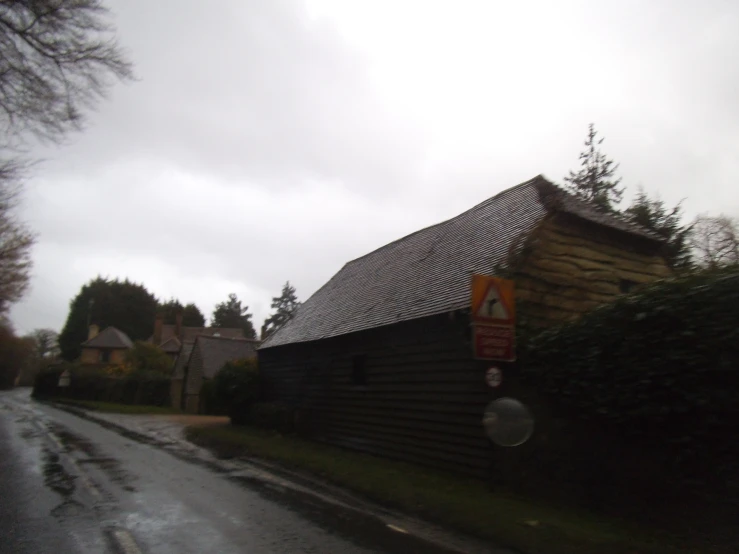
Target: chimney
column 178, row 326
column 93, row 332
column 158, row 324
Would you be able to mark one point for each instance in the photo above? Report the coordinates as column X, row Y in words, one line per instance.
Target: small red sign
column 494, row 342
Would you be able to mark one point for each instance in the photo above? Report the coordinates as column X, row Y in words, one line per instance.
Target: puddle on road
column 28, row 433
column 61, row 482
column 72, row 441
column 110, row 466
column 55, row 476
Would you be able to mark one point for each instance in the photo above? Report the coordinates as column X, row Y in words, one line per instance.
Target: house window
column 626, row 285
column 359, row 370
column 104, row 356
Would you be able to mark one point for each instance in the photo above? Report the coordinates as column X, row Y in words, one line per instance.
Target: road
column 70, row 485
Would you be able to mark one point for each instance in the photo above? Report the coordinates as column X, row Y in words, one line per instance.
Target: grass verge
column 462, row 504
column 114, row 408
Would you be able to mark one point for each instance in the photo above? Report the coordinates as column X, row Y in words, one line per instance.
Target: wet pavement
column 132, row 484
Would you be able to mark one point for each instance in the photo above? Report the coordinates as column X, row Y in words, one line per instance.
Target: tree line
column 708, row 242
column 130, row 307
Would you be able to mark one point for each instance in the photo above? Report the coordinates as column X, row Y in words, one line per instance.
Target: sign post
column 493, row 318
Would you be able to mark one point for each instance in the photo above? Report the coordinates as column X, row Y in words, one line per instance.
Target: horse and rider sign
column 493, row 318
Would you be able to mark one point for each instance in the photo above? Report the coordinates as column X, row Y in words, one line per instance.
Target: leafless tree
column 715, row 240
column 15, row 239
column 46, row 342
column 57, row 59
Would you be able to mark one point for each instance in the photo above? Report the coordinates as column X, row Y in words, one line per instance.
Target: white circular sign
column 494, row 377
column 508, row 422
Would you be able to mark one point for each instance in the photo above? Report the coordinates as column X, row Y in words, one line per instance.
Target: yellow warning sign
column 492, row 300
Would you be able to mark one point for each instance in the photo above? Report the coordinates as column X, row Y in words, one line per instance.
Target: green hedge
column 236, row 388
column 145, row 388
column 660, row 366
column 209, row 403
column 273, row 415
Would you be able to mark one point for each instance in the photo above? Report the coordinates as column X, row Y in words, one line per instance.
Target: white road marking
column 396, row 528
column 83, row 478
column 125, row 542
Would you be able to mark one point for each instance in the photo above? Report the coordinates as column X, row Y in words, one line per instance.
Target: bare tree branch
column 715, row 240
column 57, row 59
column 15, row 238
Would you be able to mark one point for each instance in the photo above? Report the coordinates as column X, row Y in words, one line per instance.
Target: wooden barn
column 379, row 359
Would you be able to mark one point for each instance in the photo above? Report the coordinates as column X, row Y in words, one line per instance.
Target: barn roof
column 428, row 272
column 110, row 337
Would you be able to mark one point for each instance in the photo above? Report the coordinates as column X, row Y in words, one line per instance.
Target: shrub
column 14, row 352
column 660, row 367
column 95, row 383
column 145, row 356
column 237, row 388
column 47, row 380
column 273, row 415
column 209, row 403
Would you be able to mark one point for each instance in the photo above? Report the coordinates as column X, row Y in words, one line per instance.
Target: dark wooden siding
column 423, row 400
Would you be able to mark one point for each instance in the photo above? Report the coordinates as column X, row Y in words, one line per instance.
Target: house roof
column 172, row 346
column 216, row 351
column 110, row 337
column 182, row 358
column 191, row 333
column 428, row 272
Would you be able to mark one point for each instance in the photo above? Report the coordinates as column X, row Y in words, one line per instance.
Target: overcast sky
column 268, row 141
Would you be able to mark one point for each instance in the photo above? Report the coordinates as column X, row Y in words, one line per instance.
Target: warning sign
column 492, row 342
column 492, row 300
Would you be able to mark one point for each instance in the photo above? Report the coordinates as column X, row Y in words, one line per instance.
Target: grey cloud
column 255, row 91
column 260, row 146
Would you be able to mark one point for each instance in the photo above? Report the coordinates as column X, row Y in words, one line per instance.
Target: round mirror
column 508, row 422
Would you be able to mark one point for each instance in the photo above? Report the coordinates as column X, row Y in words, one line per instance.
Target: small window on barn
column 359, row 370
column 626, row 285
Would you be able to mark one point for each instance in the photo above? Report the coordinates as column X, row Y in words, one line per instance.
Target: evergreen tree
column 595, row 181
column 122, row 304
column 231, row 314
column 169, row 310
column 667, row 223
column 285, row 306
column 192, row 316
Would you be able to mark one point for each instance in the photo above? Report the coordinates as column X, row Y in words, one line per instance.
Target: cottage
column 205, row 358
column 171, row 337
column 106, row 347
column 379, row 359
column 177, row 340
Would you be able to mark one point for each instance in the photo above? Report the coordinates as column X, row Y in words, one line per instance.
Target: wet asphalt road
column 69, row 485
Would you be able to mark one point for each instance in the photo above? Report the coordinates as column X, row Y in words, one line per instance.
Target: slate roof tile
column 110, row 337
column 428, row 272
